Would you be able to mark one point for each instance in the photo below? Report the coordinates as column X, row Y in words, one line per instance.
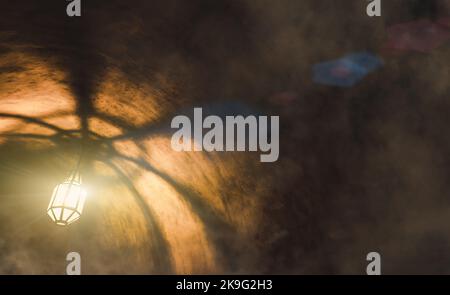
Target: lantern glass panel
column 67, row 202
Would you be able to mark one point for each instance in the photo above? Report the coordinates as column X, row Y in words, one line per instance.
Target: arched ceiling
column 114, row 78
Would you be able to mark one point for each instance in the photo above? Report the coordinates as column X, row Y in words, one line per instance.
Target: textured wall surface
column 361, row 169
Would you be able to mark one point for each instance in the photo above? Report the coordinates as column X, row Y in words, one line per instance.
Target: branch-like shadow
column 33, row 121
column 161, row 126
column 217, row 229
column 72, row 133
column 27, row 135
column 161, row 252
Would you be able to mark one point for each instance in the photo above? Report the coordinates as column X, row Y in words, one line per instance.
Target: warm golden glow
column 66, row 205
column 181, row 208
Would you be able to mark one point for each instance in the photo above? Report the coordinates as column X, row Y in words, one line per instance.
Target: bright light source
column 67, row 201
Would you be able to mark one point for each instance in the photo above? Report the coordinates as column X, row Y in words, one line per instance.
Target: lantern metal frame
column 59, row 217
column 74, row 180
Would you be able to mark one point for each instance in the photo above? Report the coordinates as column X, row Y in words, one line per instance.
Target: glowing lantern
column 67, row 201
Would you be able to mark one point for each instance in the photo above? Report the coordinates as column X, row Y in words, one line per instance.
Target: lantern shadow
column 161, row 255
column 217, row 229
